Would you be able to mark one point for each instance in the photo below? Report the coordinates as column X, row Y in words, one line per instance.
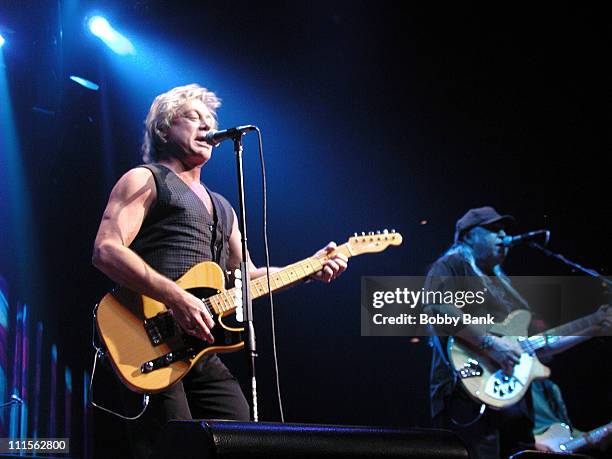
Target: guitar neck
column 226, row 301
column 294, row 272
column 590, row 438
column 557, row 337
column 576, row 326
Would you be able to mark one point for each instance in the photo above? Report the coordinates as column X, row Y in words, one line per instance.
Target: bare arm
column 127, row 207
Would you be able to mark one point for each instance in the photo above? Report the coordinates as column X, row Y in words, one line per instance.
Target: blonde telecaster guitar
column 486, row 383
column 148, row 350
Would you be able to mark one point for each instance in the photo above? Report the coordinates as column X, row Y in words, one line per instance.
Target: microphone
column 214, row 138
column 511, row 241
column 16, row 399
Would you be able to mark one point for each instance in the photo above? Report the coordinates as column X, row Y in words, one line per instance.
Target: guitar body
column 136, row 330
column 551, row 440
column 482, row 378
column 559, row 438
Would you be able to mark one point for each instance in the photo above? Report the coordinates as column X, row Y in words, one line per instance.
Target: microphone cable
column 267, row 256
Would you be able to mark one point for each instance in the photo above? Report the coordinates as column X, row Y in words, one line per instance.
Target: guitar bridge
column 167, row 359
column 160, row 328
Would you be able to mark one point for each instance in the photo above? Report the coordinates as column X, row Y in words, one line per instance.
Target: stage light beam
column 2, row 41
column 102, row 29
column 85, row 82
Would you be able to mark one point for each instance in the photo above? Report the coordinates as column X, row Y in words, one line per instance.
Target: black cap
column 478, row 217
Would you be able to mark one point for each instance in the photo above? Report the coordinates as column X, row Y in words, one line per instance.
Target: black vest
column 178, row 231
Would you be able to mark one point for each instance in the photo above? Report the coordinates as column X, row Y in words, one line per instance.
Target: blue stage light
column 102, row 29
column 2, row 41
column 85, row 83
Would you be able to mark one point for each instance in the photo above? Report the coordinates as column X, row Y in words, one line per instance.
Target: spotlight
column 102, row 29
column 2, row 41
column 85, row 83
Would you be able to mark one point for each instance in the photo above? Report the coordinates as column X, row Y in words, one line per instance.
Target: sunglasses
column 494, row 227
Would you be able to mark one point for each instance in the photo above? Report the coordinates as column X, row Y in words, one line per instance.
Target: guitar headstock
column 373, row 242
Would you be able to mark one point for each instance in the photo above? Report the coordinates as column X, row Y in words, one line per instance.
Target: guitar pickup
column 160, row 328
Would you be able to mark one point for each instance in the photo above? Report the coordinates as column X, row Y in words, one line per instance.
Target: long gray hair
column 463, row 249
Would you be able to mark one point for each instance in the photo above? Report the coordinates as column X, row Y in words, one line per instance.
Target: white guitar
column 558, row 438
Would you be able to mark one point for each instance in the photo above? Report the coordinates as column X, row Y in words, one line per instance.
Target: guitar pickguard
column 160, row 327
column 470, row 369
column 503, row 387
column 192, row 346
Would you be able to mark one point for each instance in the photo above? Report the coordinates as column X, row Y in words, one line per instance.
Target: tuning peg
column 363, row 233
column 355, row 235
column 370, row 233
column 386, row 231
column 378, row 232
column 393, row 231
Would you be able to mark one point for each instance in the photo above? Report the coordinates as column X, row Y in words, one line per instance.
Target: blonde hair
column 162, row 111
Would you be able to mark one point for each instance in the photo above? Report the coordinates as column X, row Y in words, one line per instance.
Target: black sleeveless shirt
column 178, row 231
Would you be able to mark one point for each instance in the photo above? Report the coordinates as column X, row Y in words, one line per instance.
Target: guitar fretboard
column 227, row 301
column 555, row 335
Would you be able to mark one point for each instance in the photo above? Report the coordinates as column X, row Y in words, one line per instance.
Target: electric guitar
column 559, row 439
column 150, row 352
column 486, row 383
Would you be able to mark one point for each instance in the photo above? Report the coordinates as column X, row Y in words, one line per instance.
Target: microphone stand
column 590, row 272
column 15, row 400
column 250, row 346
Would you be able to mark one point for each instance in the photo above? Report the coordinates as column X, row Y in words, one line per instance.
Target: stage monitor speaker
column 532, row 454
column 201, row 439
column 13, row 456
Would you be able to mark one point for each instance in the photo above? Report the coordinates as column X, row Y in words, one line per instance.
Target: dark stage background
column 374, row 116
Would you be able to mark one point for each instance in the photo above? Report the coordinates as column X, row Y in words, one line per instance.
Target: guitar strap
column 224, row 222
column 434, row 342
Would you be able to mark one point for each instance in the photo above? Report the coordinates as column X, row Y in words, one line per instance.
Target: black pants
column 497, row 434
column 208, row 391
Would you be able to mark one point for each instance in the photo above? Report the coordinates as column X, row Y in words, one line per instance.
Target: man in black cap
column 473, row 264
